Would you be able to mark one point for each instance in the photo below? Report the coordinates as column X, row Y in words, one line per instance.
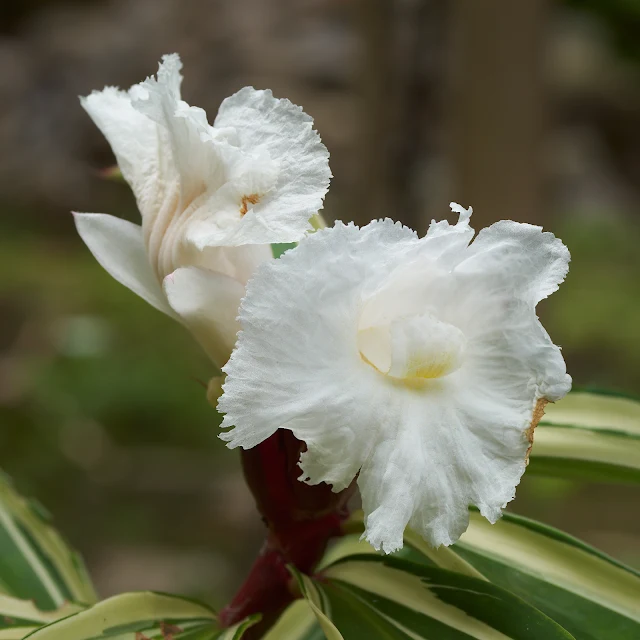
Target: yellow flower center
column 418, row 347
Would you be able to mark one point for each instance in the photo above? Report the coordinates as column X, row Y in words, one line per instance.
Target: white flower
column 417, row 365
column 211, row 198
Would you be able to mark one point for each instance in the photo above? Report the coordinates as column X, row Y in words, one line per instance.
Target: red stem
column 301, row 520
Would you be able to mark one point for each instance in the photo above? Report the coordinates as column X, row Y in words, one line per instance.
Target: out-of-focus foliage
column 622, row 17
column 597, row 316
column 119, row 444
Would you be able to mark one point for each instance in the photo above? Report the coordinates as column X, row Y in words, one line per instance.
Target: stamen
column 247, row 200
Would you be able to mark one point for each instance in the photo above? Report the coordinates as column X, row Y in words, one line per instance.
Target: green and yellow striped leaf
column 232, row 633
column 595, row 436
column 35, row 562
column 15, row 633
column 298, row 622
column 145, row 614
column 20, row 617
column 591, row 595
column 318, row 603
column 443, row 557
column 372, row 596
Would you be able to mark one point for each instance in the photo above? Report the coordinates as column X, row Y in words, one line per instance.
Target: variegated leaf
column 588, row 593
column 298, row 622
column 371, row 596
column 595, row 436
column 142, row 615
column 20, row 617
column 35, row 562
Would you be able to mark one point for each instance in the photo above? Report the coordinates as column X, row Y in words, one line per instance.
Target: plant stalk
column 301, row 519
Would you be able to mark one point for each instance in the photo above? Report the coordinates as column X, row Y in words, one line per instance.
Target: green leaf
column 591, row 595
column 20, row 617
column 280, row 247
column 385, row 598
column 35, row 562
column 318, row 603
column 416, row 549
column 595, row 436
column 348, row 545
column 148, row 614
column 232, row 633
column 298, row 622
column 443, row 557
column 597, row 409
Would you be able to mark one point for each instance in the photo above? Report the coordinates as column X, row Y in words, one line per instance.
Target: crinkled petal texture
column 282, row 131
column 212, row 198
column 255, row 177
column 426, row 445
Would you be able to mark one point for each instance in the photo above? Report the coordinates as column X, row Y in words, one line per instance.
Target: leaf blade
column 590, row 594
column 588, row 435
column 35, row 561
column 397, row 599
column 125, row 615
column 298, row 622
column 318, row 602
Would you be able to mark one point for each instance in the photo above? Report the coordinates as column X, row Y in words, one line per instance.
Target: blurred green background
column 527, row 110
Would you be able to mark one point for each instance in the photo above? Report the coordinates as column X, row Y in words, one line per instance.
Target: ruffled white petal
column 532, row 262
column 207, row 302
column 134, row 140
column 119, row 247
column 447, row 241
column 258, row 407
column 426, row 447
column 227, row 216
column 407, row 289
column 254, row 178
column 279, row 130
column 184, row 130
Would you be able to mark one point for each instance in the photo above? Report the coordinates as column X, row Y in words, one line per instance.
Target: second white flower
column 211, row 197
column 417, row 365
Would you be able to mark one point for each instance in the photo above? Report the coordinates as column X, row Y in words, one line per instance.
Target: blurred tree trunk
column 400, row 48
column 497, row 108
column 374, row 20
column 417, row 53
